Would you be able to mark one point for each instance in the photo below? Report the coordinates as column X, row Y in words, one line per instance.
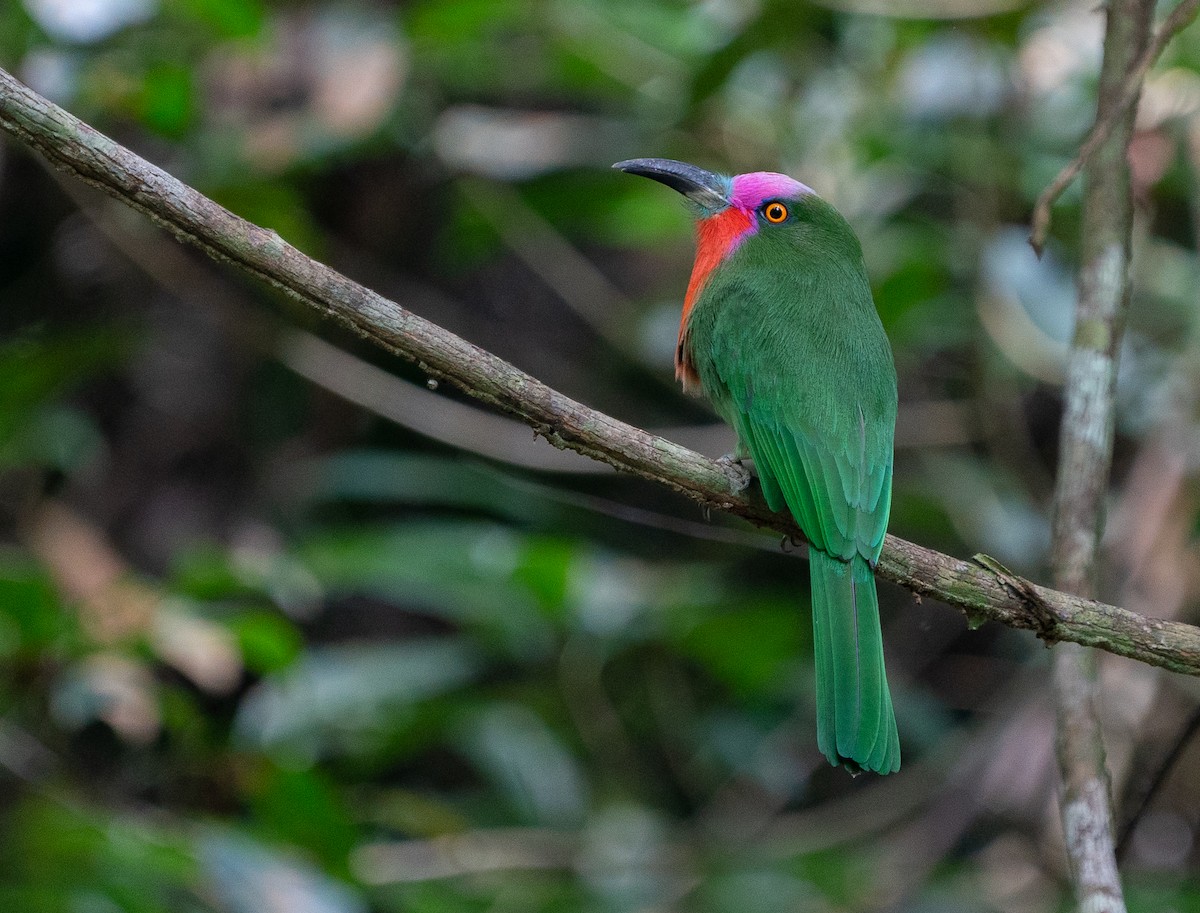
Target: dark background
column 283, row 630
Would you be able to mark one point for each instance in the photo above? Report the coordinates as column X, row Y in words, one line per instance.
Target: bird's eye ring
column 775, row 213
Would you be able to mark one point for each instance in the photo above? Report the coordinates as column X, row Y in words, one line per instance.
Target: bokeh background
column 282, row 629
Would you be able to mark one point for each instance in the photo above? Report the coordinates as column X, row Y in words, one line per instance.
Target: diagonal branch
column 979, row 591
column 1177, row 20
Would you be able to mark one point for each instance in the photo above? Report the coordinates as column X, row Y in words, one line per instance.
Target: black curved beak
column 705, row 189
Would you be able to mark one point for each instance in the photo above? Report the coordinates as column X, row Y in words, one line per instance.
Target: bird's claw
column 737, row 473
column 787, row 543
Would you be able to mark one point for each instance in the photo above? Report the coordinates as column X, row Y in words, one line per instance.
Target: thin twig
column 1160, row 777
column 1176, row 21
column 73, row 146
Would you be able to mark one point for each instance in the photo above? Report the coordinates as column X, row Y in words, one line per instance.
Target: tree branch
column 980, row 591
column 1126, row 99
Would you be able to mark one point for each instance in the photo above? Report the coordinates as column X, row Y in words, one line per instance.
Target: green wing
column 813, row 399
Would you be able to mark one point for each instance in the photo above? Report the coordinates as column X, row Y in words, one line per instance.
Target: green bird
column 780, row 332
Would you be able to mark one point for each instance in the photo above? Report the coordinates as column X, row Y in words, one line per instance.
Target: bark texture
column 1085, row 457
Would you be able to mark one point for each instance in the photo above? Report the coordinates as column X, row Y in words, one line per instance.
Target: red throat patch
column 716, row 236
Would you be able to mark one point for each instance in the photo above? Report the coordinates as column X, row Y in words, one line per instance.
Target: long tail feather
column 856, row 726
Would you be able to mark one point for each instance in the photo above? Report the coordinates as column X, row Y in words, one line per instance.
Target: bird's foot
column 736, row 471
column 790, row 542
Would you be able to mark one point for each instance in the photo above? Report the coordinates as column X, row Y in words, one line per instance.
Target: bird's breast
column 716, row 238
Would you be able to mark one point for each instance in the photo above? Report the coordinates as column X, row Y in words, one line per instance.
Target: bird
column 780, row 332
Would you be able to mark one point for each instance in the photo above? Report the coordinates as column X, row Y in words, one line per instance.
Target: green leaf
column 32, row 618
column 460, row 571
column 227, row 18
column 755, row 649
column 167, row 102
column 36, row 369
column 303, row 807
column 350, row 699
column 269, row 642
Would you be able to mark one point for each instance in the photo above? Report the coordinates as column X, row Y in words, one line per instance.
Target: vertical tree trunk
column 1085, row 457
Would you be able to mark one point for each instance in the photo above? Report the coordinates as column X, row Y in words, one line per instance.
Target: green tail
column 855, row 723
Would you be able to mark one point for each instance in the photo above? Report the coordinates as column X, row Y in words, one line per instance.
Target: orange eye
column 775, row 213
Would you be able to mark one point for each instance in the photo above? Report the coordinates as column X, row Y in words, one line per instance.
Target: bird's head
column 730, row 209
column 773, row 211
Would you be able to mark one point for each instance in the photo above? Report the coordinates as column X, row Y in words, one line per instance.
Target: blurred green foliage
column 265, row 647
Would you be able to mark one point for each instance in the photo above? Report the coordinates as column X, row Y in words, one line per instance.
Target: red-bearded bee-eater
column 780, row 332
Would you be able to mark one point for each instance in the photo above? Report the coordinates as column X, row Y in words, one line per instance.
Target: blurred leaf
column 167, row 105
column 754, row 649
column 247, row 576
column 842, row 877
column 35, row 369
column 603, row 205
column 467, row 241
column 31, row 617
column 268, row 642
column 63, row 439
column 16, row 32
column 380, row 476
column 463, row 21
column 636, row 218
column 246, row 876
column 530, row 892
column 208, row 572
column 915, row 276
column 303, row 808
column 347, row 699
column 545, row 566
column 469, row 43
column 76, row 858
column 1144, row 894
column 461, row 571
column 757, row 891
column 540, row 777
column 229, row 18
